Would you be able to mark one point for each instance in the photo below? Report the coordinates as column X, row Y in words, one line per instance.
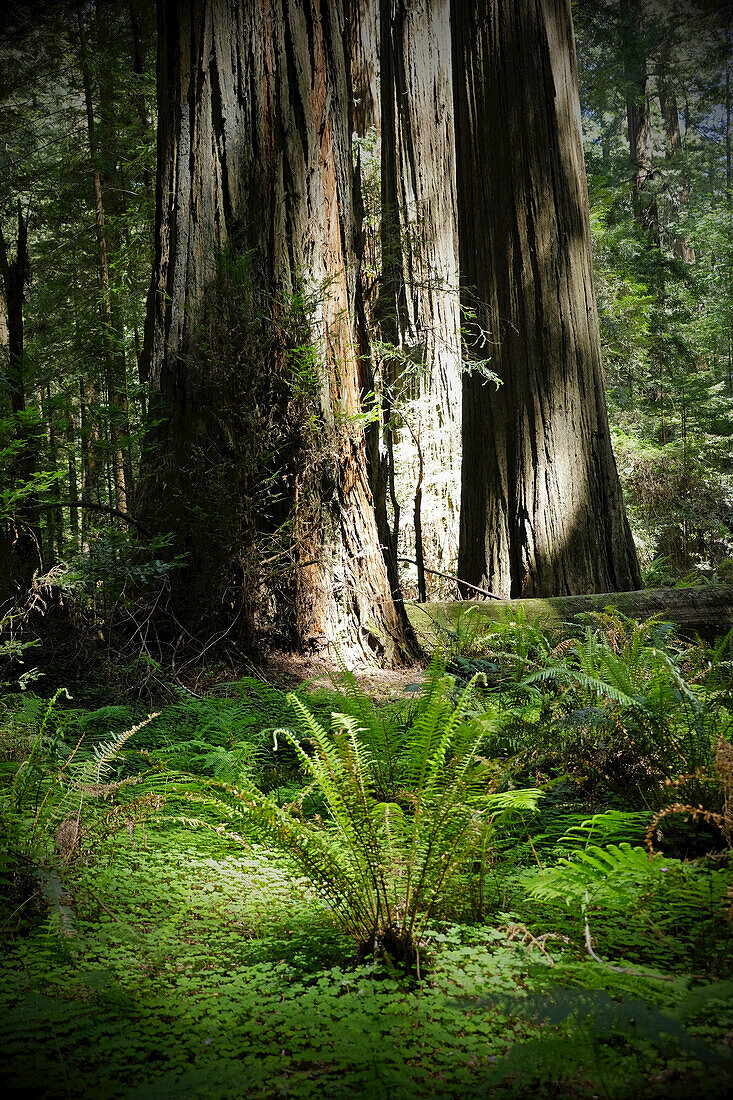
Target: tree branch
column 90, row 507
column 448, row 577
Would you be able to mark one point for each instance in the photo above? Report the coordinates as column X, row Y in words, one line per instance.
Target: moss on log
column 705, row 610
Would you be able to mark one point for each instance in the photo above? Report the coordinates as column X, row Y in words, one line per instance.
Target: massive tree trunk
column 419, row 303
column 541, row 505
column 255, row 189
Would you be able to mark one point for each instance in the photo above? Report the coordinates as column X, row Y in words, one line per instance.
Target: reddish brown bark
column 254, row 156
column 541, row 506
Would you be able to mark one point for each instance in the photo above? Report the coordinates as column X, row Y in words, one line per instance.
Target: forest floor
column 380, row 684
column 154, row 948
column 196, row 969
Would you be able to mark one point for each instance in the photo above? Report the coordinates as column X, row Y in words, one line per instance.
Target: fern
column 611, row 825
column 592, row 684
column 583, row 1029
column 616, row 875
column 385, row 865
column 50, row 787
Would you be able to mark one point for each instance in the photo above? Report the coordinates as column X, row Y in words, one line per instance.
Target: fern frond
column 66, row 797
column 611, row 825
column 617, row 874
column 588, row 682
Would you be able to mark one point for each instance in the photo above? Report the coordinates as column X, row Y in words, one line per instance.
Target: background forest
column 299, row 355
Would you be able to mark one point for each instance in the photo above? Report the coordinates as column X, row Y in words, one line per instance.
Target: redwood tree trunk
column 419, row 302
column 254, row 158
column 541, row 506
column 638, row 118
column 670, row 114
column 364, row 59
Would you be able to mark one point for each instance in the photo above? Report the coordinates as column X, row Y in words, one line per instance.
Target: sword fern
column 388, row 866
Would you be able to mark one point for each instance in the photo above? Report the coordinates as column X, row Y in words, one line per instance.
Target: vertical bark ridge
column 541, row 511
column 419, row 302
column 255, row 155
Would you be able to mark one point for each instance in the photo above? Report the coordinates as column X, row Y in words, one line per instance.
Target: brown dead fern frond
column 694, row 813
column 105, row 790
column 724, row 769
column 67, row 838
column 701, row 774
column 722, row 778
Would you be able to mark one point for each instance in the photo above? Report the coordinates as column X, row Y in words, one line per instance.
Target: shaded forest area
column 366, row 514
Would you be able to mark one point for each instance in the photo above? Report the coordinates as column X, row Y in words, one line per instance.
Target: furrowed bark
column 541, row 506
column 364, row 59
column 254, row 156
column 419, row 304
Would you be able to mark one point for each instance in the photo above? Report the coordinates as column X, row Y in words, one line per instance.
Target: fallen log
column 705, row 609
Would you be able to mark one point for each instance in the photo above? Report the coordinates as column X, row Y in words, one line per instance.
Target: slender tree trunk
column 729, row 173
column 137, row 18
column 4, row 334
column 89, row 437
column 55, row 522
column 254, row 157
column 116, row 203
column 90, row 450
column 668, row 106
column 21, row 552
column 419, row 301
column 7, row 593
column 15, row 274
column 137, row 12
column 71, row 446
column 541, row 506
column 114, row 360
column 141, row 373
column 638, row 117
column 640, row 148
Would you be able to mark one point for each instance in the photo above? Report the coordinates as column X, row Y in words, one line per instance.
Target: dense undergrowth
column 515, row 878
